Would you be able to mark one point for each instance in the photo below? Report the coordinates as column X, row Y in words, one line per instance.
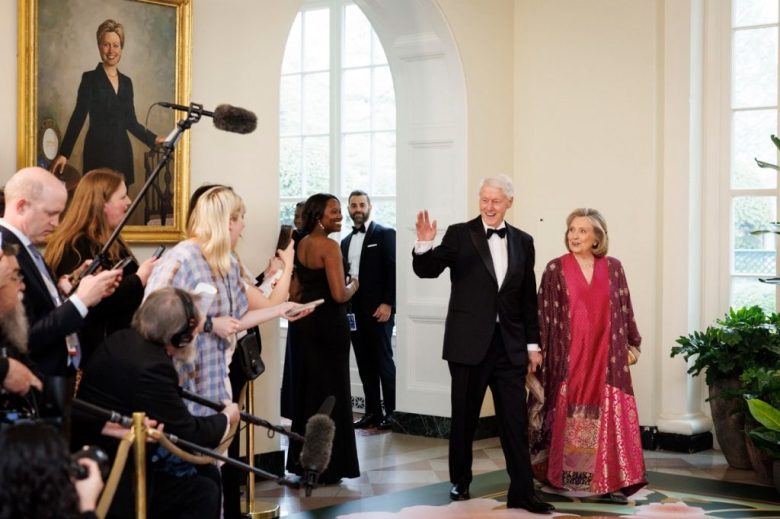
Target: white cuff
column 421, row 247
column 79, row 304
column 533, row 347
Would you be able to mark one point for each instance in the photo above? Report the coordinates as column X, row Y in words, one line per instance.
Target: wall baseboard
column 439, row 426
column 685, row 443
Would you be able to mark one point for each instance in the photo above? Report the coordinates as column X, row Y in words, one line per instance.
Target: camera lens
column 95, row 453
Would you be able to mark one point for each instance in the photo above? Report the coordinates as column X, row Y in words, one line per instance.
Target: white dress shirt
column 355, row 248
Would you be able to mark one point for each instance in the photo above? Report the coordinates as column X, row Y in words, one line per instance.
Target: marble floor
column 392, row 462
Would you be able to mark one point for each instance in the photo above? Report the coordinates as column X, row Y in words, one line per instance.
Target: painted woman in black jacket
column 107, row 96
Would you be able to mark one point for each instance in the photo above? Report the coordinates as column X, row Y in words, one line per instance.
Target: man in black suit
column 34, row 200
column 133, row 371
column 370, row 251
column 491, row 334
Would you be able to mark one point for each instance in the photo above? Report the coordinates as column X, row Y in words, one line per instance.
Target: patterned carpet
column 667, row 496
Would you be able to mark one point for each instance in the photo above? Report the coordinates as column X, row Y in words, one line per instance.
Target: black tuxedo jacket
column 49, row 324
column 377, row 268
column 475, row 297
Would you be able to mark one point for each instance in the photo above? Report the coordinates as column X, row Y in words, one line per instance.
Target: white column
column 680, row 263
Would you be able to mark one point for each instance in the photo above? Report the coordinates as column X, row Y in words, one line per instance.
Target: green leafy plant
column 766, row 437
column 744, row 338
column 761, row 383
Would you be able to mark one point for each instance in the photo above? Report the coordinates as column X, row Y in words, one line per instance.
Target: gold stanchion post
column 259, row 509
column 139, row 453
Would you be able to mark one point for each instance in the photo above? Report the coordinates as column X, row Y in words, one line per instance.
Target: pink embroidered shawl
column 595, row 448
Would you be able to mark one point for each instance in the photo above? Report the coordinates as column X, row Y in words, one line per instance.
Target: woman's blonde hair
column 209, row 225
column 85, row 218
column 111, row 26
column 601, row 246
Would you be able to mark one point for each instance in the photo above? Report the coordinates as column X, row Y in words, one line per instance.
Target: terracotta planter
column 776, row 471
column 728, row 418
column 759, row 460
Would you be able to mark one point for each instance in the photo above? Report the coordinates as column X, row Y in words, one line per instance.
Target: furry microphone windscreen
column 318, row 443
column 233, row 119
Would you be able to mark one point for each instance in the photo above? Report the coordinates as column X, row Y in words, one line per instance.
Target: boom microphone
column 226, row 117
column 317, row 445
column 233, row 119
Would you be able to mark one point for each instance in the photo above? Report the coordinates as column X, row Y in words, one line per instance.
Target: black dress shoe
column 533, row 504
column 615, row 497
column 386, row 422
column 459, row 492
column 368, row 420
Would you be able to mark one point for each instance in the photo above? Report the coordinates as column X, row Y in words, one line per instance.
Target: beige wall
column 483, row 32
column 586, row 112
column 8, row 30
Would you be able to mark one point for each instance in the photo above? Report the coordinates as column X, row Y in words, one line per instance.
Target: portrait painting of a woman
column 106, row 96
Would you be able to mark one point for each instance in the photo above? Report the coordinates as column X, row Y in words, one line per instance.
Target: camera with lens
column 92, row 452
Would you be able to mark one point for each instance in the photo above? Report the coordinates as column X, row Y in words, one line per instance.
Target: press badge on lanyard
column 71, row 341
column 352, row 322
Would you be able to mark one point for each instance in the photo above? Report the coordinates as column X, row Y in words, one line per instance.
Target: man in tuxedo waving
column 370, row 251
column 491, row 334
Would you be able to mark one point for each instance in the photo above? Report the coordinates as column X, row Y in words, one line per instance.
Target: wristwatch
column 208, row 325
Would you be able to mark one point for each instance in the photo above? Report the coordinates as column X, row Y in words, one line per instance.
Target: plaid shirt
column 184, row 266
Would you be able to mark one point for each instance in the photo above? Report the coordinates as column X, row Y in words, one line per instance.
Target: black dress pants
column 507, row 383
column 372, row 343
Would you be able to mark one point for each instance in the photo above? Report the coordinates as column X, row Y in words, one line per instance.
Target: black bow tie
column 356, row 230
column 501, row 233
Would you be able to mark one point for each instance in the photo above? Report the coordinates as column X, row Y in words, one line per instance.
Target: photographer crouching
column 38, row 478
column 133, row 371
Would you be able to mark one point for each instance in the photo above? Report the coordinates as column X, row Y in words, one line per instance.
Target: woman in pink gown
column 589, row 440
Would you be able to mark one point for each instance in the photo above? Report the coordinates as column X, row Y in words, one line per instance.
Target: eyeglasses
column 17, row 276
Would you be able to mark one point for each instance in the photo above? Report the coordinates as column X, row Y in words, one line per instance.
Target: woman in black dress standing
column 321, row 347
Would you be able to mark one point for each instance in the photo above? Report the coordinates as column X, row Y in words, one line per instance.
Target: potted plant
column 742, row 339
column 767, row 436
column 760, row 384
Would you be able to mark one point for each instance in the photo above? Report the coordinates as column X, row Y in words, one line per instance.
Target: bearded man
column 16, row 376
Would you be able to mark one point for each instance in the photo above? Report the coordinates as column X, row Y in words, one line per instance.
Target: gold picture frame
column 57, row 44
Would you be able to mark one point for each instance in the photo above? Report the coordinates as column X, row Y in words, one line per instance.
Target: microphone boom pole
column 114, row 417
column 249, row 418
column 193, row 116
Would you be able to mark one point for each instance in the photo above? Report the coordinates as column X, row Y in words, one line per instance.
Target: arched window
column 337, row 111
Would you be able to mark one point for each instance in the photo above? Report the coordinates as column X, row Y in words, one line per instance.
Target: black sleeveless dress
column 321, row 365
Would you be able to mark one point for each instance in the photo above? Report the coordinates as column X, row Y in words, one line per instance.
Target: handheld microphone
column 226, row 117
column 317, row 445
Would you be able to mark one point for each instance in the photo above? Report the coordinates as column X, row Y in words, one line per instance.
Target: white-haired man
column 491, row 334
